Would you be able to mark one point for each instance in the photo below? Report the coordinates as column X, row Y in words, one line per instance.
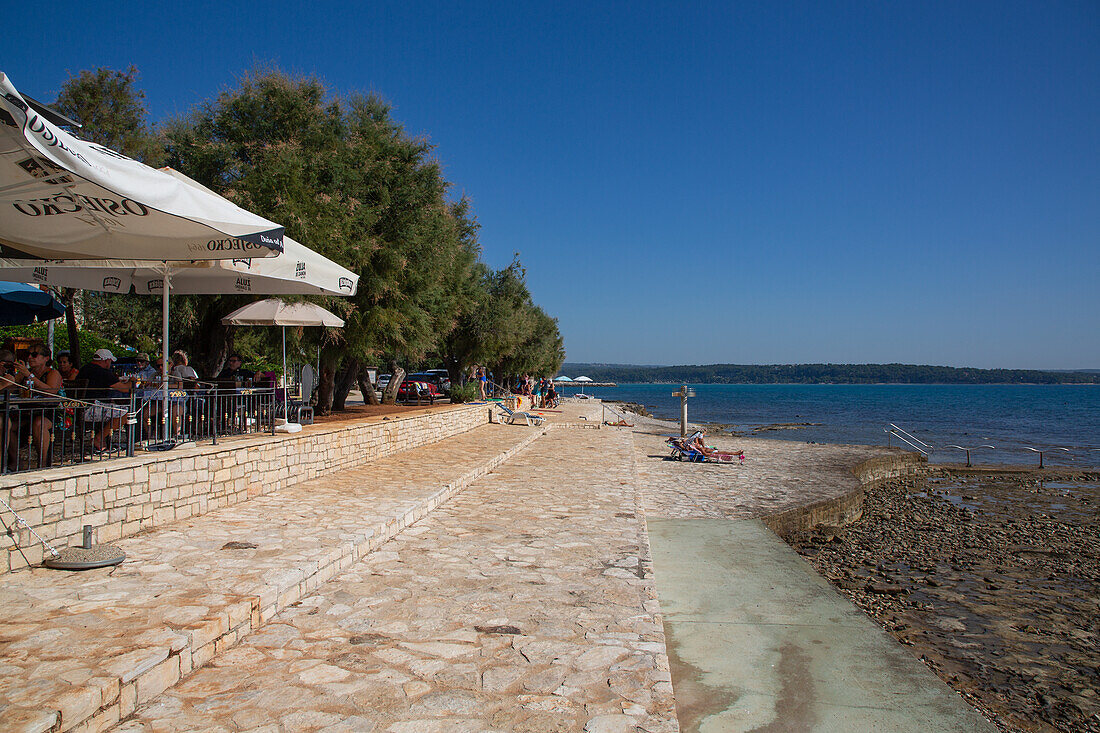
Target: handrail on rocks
column 911, row 440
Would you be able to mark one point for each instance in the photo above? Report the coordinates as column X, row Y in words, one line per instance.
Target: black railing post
column 7, row 429
column 131, row 422
column 212, row 414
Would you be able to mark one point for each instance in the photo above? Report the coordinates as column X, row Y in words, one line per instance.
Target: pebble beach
column 993, row 581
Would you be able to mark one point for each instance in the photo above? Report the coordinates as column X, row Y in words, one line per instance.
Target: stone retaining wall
column 122, row 497
column 848, row 508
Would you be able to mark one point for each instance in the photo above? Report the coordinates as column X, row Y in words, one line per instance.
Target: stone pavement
column 527, row 602
column 777, row 475
column 524, row 604
column 91, row 645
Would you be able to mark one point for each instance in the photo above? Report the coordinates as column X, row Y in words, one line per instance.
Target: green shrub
column 464, row 393
column 89, row 342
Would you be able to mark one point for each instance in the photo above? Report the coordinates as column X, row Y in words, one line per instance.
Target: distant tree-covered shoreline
column 823, row 374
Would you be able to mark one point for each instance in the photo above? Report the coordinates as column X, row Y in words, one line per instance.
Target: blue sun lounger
column 683, row 449
column 513, row 415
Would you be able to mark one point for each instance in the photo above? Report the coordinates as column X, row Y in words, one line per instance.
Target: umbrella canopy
column 562, row 378
column 26, row 304
column 63, row 197
column 274, row 312
column 582, row 379
column 298, row 270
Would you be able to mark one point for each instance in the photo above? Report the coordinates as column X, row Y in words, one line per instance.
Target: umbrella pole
column 286, row 384
column 164, row 353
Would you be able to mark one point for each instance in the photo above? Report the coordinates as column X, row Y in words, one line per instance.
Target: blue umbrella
column 21, row 303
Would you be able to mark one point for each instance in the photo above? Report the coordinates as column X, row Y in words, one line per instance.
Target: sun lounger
column 529, row 418
column 684, row 450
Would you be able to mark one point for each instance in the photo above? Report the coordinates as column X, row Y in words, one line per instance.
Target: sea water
column 1008, row 417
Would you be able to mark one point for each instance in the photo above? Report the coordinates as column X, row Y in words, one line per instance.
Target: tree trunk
column 69, row 299
column 389, row 396
column 344, row 382
column 369, row 395
column 326, row 384
column 216, row 348
column 454, row 370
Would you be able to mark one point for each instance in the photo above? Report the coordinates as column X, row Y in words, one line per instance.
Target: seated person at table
column 40, row 381
column 234, row 370
column 103, row 384
column 66, row 366
column 182, row 371
column 145, row 371
column 9, row 380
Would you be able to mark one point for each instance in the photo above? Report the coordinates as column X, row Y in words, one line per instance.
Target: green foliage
column 125, row 318
column 111, row 110
column 90, row 341
column 503, row 327
column 464, row 393
column 346, row 180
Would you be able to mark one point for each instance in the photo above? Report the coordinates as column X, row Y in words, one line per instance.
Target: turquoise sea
column 1008, row 417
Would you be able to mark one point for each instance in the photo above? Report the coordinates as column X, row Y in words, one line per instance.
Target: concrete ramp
column 758, row 641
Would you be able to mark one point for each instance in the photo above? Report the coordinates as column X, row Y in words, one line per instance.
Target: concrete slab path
column 758, row 641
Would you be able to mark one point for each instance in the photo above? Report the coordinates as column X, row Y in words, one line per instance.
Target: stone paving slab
column 526, row 603
column 776, row 475
column 88, row 647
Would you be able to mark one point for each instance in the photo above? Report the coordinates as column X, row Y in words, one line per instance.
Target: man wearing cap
column 146, row 372
column 103, row 384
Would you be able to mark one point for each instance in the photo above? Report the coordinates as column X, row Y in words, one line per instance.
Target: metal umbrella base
column 87, row 557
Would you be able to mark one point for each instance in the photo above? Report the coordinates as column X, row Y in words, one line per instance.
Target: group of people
column 541, row 391
column 100, row 383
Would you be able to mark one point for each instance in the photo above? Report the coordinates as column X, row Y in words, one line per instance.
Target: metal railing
column 44, row 430
column 1044, row 452
column 911, row 440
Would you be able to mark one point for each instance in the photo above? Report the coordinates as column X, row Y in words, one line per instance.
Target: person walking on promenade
column 482, row 382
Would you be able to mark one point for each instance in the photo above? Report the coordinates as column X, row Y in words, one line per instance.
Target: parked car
column 437, row 377
column 416, row 391
column 383, row 381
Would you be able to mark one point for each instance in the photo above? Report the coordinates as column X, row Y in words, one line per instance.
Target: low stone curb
column 841, row 510
column 144, row 674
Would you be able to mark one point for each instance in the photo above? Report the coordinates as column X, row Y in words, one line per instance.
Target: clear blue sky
column 708, row 182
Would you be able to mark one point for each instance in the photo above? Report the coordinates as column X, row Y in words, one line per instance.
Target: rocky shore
column 994, row 581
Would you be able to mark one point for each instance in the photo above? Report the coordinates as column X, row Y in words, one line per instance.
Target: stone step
column 81, row 650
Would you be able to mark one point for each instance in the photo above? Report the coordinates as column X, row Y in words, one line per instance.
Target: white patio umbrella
column 65, row 198
column 563, row 380
column 274, row 312
column 298, row 270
